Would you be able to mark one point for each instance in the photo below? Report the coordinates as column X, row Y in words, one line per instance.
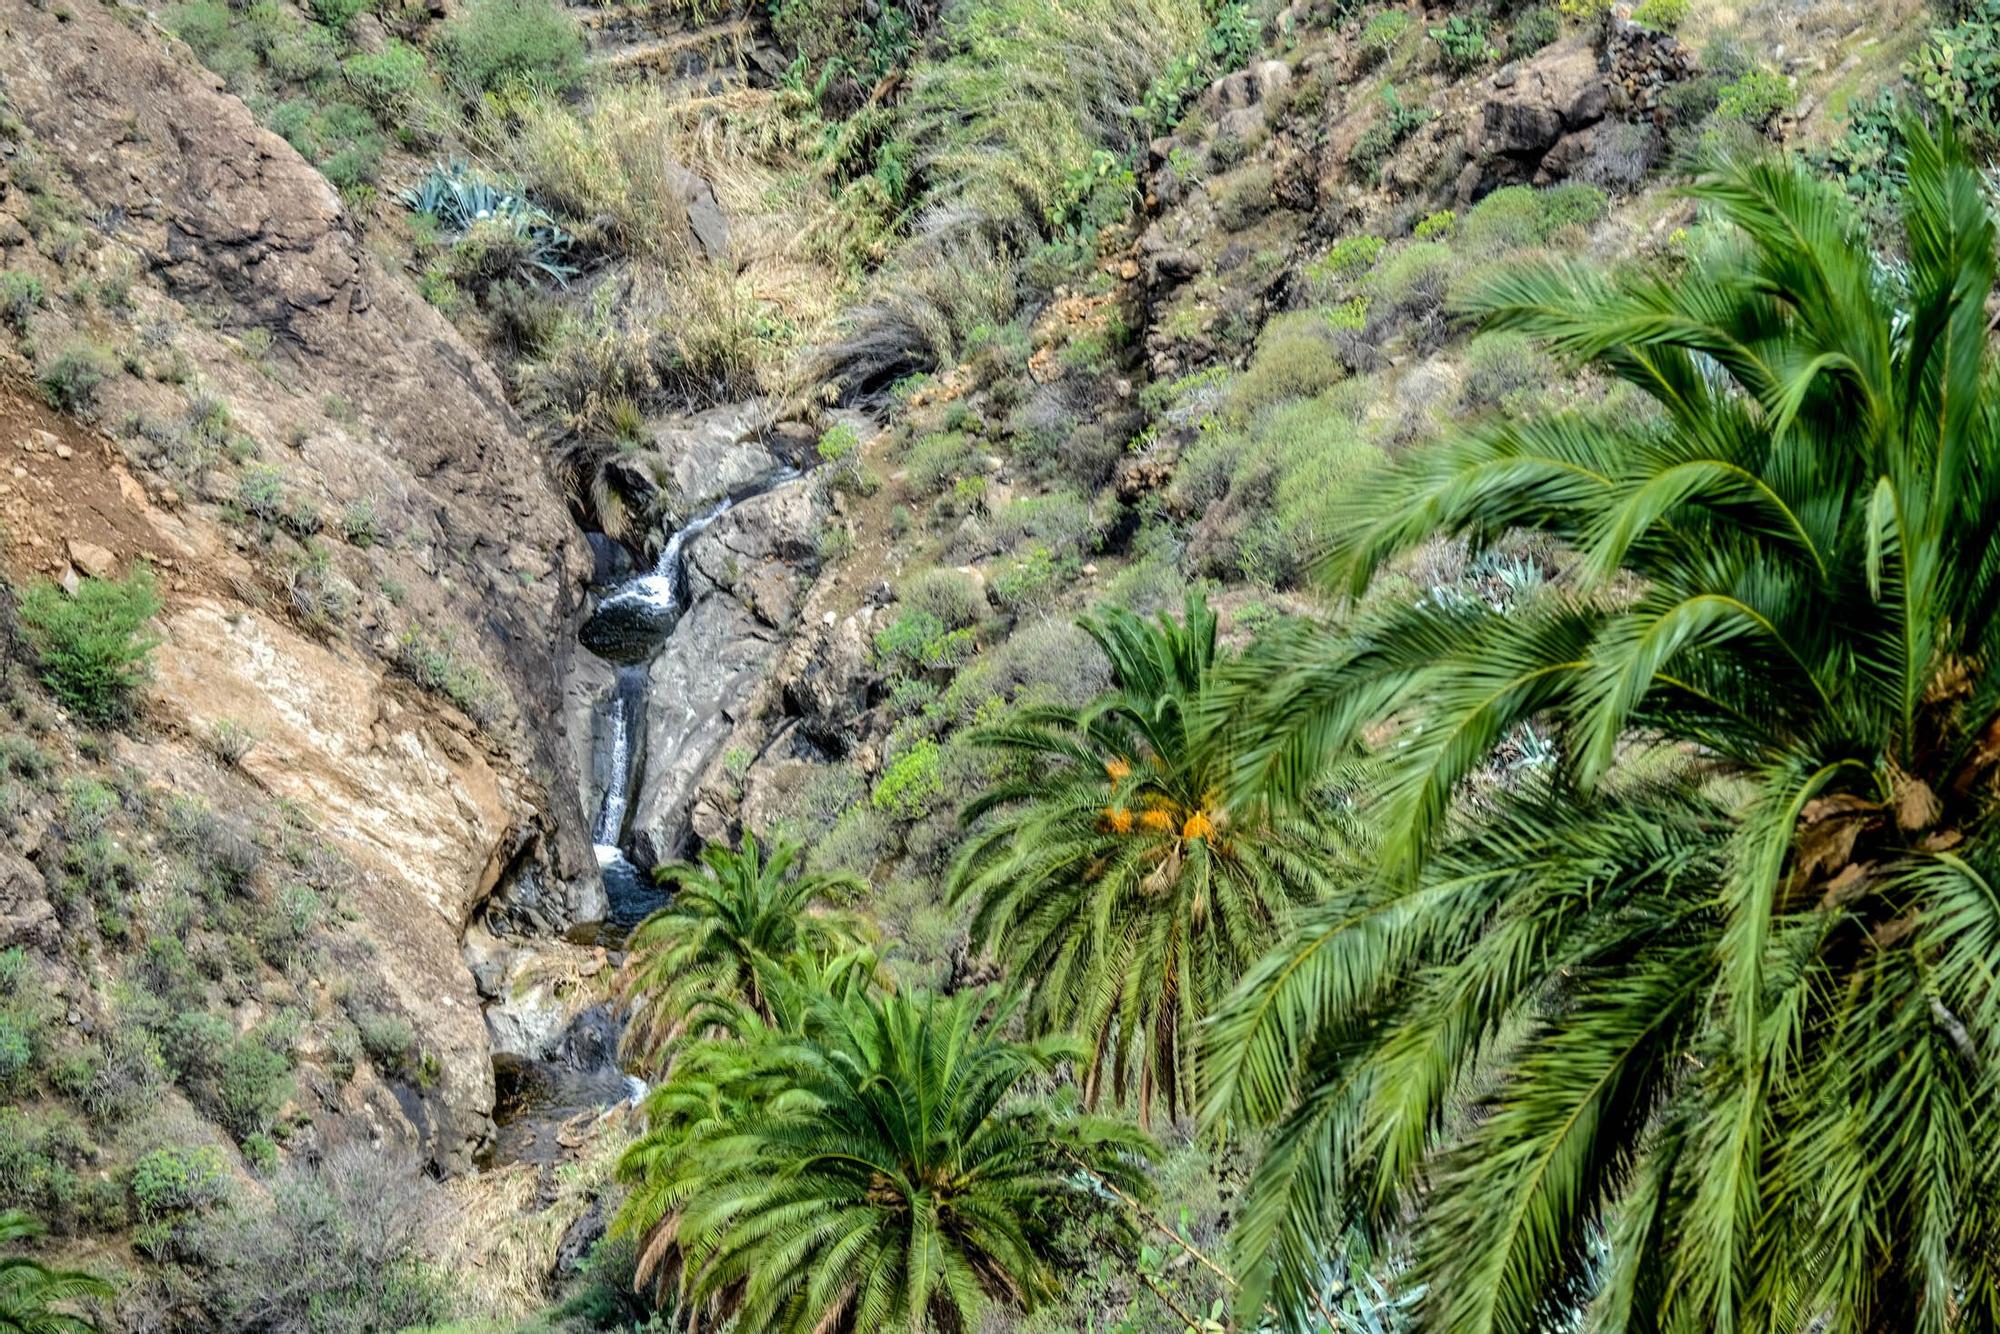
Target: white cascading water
column 660, row 590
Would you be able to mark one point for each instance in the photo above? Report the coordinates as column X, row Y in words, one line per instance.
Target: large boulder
column 745, row 573
column 1528, row 109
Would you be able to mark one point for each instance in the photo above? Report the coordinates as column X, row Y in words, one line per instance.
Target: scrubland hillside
column 989, row 386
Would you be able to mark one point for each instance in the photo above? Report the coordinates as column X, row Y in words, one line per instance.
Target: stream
column 541, row 1106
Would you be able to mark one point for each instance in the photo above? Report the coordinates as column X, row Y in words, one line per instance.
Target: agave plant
column 31, row 1293
column 460, row 199
column 1716, row 980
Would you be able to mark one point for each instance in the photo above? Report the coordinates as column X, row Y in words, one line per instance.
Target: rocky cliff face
column 242, row 273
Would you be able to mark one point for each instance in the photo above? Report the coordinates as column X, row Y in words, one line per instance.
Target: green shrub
column 954, row 598
column 193, row 1043
column 1350, row 257
column 1500, row 365
column 840, row 443
column 911, row 782
column 73, row 376
column 389, row 1040
column 1244, row 197
column 1463, row 44
column 21, row 295
column 1036, row 581
column 251, row 1086
column 1757, row 98
column 338, row 15
column 388, row 82
column 1438, row 226
column 92, row 647
column 936, row 461
column 1661, row 15
column 1268, row 496
column 1534, row 28
column 17, row 1054
column 433, row 662
column 494, row 44
column 167, row 1182
column 359, row 525
column 1412, row 281
column 1520, row 215
column 1382, row 34
column 1391, row 126
column 1294, row 358
column 918, row 638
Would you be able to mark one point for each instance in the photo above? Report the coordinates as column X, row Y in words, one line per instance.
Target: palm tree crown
column 876, row 1163
column 1113, row 880
column 735, row 910
column 1740, row 1021
column 31, row 1292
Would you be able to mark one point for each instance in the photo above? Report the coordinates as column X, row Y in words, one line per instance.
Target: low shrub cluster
column 93, row 647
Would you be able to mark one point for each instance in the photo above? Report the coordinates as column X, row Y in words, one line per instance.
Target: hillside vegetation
column 1386, row 722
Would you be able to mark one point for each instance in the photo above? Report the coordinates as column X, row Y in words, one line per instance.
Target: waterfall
column 625, row 718
column 659, row 591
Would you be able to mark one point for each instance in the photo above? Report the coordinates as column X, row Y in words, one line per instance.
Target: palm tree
column 735, row 910
column 885, row 1164
column 30, row 1291
column 1113, row 881
column 1713, row 1049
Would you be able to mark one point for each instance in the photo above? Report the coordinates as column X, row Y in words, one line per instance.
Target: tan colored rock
column 92, row 559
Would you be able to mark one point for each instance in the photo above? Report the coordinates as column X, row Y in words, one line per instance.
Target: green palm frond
column 31, row 1293
column 1111, row 875
column 735, row 913
column 880, row 1164
column 1737, row 1024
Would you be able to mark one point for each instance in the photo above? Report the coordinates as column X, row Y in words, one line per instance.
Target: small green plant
column 495, row 44
column 918, row 638
column 1463, row 43
column 1757, row 98
column 1661, row 15
column 1438, row 226
column 388, row 82
column 1350, row 257
column 840, row 443
column 911, row 782
column 433, row 662
column 93, row 646
column 1382, row 34
column 1243, row 197
column 390, row 1041
column 1391, row 126
column 21, row 295
column 359, row 525
column 231, row 742
column 1534, row 28
column 169, row 1182
column 73, row 376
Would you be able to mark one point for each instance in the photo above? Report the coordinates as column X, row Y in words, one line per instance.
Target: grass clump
column 93, row 646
